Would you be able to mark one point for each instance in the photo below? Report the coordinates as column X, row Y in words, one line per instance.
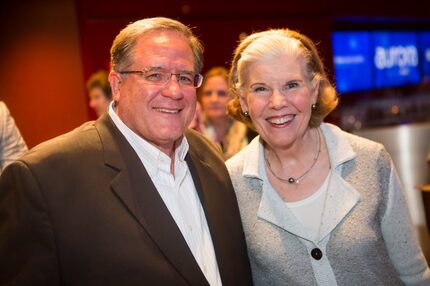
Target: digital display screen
column 424, row 43
column 396, row 59
column 365, row 60
column 352, row 61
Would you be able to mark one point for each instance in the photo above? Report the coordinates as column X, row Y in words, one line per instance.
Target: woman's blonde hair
column 273, row 44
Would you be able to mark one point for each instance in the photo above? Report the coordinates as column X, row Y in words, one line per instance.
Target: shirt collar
column 152, row 158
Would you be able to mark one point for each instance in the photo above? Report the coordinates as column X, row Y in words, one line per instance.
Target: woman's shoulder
column 345, row 144
column 334, row 132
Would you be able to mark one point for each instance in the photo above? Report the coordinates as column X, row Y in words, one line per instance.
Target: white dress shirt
column 179, row 195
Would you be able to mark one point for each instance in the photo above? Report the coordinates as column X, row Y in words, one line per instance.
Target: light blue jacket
column 366, row 236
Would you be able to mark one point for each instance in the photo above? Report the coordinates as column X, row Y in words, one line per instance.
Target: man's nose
column 173, row 87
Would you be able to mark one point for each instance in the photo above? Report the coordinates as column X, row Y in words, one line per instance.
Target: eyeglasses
column 159, row 76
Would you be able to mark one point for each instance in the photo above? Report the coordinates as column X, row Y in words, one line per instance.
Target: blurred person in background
column 198, row 120
column 231, row 135
column 12, row 145
column 428, row 157
column 99, row 92
column 319, row 206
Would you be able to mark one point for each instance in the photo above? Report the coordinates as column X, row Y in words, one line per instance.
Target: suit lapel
column 134, row 188
column 213, row 201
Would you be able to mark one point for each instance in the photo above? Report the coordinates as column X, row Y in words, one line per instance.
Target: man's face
column 158, row 113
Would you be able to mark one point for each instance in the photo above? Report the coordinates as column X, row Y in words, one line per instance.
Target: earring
column 314, row 107
column 246, row 114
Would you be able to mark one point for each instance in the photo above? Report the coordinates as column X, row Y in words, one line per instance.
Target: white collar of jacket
column 341, row 196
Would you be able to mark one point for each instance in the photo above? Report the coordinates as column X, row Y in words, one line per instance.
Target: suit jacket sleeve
column 25, row 261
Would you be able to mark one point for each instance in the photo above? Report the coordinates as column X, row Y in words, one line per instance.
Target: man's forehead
column 162, row 36
column 164, row 45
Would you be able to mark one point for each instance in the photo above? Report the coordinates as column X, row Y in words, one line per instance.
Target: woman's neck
column 220, row 126
column 296, row 151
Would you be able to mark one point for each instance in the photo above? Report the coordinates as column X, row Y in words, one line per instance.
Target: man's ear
column 115, row 81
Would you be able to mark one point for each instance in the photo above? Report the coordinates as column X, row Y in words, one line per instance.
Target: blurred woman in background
column 99, row 92
column 214, row 96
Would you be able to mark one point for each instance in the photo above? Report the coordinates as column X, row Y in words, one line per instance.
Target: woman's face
column 278, row 97
column 215, row 97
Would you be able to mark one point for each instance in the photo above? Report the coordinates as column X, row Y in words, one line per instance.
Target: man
column 128, row 199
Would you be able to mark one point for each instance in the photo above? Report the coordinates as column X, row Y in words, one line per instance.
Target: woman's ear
column 315, row 86
column 243, row 103
column 115, row 81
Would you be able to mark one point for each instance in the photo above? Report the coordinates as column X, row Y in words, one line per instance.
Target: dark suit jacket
column 81, row 210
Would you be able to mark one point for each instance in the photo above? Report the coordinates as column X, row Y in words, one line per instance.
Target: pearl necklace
column 292, row 180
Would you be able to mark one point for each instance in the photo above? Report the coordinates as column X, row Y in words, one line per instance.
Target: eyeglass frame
column 197, row 77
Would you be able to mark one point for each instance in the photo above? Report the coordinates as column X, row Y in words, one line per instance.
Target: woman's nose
column 277, row 100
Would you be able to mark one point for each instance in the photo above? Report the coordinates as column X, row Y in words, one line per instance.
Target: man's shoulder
column 82, row 139
column 196, row 137
column 202, row 145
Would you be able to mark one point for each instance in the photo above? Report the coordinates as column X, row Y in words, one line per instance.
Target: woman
column 213, row 96
column 99, row 92
column 319, row 206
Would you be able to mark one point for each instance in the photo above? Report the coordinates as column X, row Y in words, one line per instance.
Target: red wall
column 41, row 69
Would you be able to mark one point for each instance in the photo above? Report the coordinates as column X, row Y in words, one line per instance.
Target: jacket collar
column 341, row 196
column 339, row 149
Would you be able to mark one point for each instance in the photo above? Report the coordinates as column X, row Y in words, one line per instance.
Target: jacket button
column 316, row 253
